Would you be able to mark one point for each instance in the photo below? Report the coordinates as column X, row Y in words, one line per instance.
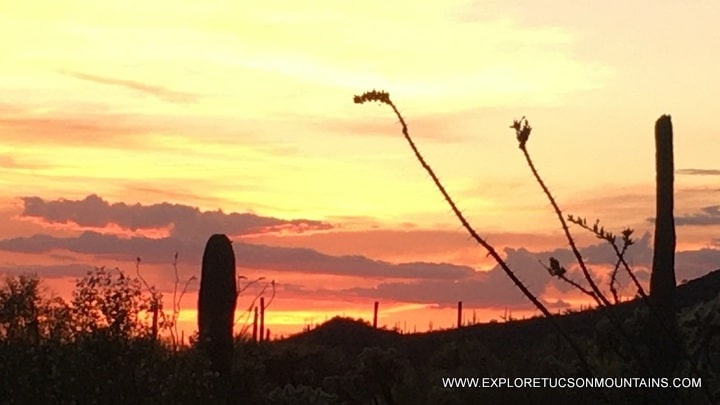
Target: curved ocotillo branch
column 384, row 97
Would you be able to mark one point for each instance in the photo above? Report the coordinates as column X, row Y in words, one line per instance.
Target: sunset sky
column 140, row 128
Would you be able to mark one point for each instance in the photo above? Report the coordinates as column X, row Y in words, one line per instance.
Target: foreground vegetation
column 57, row 352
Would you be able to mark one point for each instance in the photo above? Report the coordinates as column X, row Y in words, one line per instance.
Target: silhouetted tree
column 26, row 315
column 108, row 301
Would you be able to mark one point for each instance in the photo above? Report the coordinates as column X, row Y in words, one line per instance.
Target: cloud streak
column 49, row 271
column 156, row 91
column 429, row 283
column 438, row 127
column 297, row 260
column 93, row 129
column 10, row 162
column 708, row 216
column 699, row 172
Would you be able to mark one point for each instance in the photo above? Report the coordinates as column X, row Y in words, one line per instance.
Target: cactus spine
column 262, row 318
column 216, row 302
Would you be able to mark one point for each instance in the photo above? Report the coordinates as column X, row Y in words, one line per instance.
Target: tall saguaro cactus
column 216, row 304
column 663, row 329
column 662, row 280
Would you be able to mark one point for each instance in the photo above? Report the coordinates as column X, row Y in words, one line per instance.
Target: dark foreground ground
column 345, row 361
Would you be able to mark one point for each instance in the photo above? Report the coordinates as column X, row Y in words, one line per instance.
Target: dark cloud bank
column 706, row 216
column 185, row 222
column 299, row 260
column 189, row 230
column 432, row 283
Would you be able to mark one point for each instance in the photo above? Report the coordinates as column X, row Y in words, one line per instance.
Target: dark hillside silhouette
column 505, row 337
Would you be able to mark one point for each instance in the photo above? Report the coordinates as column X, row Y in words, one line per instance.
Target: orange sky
column 246, row 107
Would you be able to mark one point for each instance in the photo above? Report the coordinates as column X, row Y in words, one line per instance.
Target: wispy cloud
column 171, row 190
column 708, row 216
column 76, row 129
column 395, row 245
column 109, row 246
column 48, row 271
column 153, row 90
column 10, row 162
column 443, row 128
column 699, row 172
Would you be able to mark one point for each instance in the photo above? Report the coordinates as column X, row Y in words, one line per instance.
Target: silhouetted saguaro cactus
column 459, row 314
column 662, row 281
column 216, row 304
column 155, row 309
column 375, row 314
column 255, row 325
column 262, row 318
